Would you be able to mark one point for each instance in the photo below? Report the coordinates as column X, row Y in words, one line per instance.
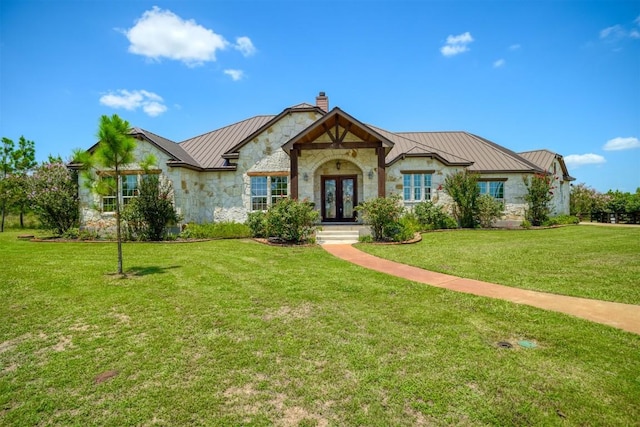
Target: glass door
column 339, row 198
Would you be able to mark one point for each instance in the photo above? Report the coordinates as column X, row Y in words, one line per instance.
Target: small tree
column 148, row 214
column 115, row 150
column 24, row 162
column 7, row 166
column 53, row 194
column 463, row 189
column 383, row 216
column 539, row 195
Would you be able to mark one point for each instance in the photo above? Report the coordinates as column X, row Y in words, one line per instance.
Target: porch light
column 305, row 176
column 338, row 165
column 371, row 174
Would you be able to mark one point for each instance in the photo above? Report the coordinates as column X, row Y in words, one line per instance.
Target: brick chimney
column 322, row 102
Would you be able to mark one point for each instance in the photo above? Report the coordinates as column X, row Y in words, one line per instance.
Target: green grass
column 584, row 261
column 232, row 332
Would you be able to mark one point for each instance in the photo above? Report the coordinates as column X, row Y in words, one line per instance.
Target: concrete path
column 618, row 315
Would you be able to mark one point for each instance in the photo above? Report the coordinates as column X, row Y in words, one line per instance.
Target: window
column 128, row 190
column 493, row 188
column 416, row 186
column 267, row 191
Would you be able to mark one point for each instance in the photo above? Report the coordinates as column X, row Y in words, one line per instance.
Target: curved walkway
column 618, row 315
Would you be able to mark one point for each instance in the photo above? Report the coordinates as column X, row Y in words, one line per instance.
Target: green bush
column 525, row 224
column 539, row 195
column 53, row 195
column 257, row 223
column 489, row 210
column 291, row 221
column 562, row 220
column 382, row 215
column 407, row 227
column 216, row 230
column 433, row 217
column 463, row 189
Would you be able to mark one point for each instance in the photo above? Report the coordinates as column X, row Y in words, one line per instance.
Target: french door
column 339, row 198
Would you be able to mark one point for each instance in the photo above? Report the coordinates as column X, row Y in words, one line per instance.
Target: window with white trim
column 493, row 188
column 129, row 185
column 267, row 191
column 416, row 187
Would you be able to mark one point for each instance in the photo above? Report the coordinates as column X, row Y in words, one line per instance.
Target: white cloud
column 499, row 63
column 235, row 74
column 514, row 47
column 163, row 34
column 245, row 46
column 577, row 160
column 634, row 34
column 457, row 44
column 615, row 31
column 619, row 143
column 151, row 103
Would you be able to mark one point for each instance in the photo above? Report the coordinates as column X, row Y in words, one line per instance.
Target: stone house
column 326, row 156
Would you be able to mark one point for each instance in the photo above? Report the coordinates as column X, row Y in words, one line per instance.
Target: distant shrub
column 216, row 230
column 525, row 224
column 433, row 217
column 53, row 195
column 562, row 220
column 489, row 210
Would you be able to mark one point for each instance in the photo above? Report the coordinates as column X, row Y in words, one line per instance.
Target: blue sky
column 561, row 75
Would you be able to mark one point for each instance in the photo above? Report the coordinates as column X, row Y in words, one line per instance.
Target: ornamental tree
column 539, row 195
column 463, row 188
column 53, row 194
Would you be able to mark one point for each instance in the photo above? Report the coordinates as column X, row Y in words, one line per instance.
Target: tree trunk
column 21, row 218
column 118, row 232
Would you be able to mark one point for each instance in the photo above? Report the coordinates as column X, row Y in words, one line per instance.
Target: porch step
column 337, row 236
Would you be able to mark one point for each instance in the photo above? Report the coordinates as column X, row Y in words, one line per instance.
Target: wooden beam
column 344, row 134
column 337, row 145
column 328, row 132
column 381, row 172
column 293, row 191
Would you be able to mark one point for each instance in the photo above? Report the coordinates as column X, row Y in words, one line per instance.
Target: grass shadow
column 145, row 271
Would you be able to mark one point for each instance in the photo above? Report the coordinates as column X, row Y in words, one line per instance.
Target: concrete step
column 333, row 236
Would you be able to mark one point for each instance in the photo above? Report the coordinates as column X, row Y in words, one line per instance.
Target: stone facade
column 225, row 195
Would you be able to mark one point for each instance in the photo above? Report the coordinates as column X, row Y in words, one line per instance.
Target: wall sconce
column 371, row 174
column 338, row 165
column 305, row 176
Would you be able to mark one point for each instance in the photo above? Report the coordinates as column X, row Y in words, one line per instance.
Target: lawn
column 583, row 261
column 234, row 332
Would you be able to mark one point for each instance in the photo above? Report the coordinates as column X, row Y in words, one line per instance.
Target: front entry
column 339, row 198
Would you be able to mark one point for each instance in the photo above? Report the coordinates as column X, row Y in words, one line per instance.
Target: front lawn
column 583, row 261
column 239, row 333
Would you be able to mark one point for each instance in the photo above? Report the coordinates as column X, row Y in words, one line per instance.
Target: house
column 328, row 157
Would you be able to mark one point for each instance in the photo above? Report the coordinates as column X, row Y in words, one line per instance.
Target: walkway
column 618, row 315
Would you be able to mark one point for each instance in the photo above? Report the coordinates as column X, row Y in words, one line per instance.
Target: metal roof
column 209, row 147
column 487, row 156
column 175, row 151
column 544, row 159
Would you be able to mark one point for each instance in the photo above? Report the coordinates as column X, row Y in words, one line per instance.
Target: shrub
column 149, row 214
column 257, row 223
column 382, row 215
column 463, row 189
column 489, row 210
column 216, row 230
column 539, row 195
column 433, row 217
column 407, row 228
column 525, row 224
column 53, row 194
column 291, row 220
column 562, row 220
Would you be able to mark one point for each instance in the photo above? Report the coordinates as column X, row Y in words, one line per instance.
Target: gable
column 338, row 129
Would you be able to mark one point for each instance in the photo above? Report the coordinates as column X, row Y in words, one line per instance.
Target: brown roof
column 175, row 151
column 209, row 147
column 487, row 156
column 544, row 158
